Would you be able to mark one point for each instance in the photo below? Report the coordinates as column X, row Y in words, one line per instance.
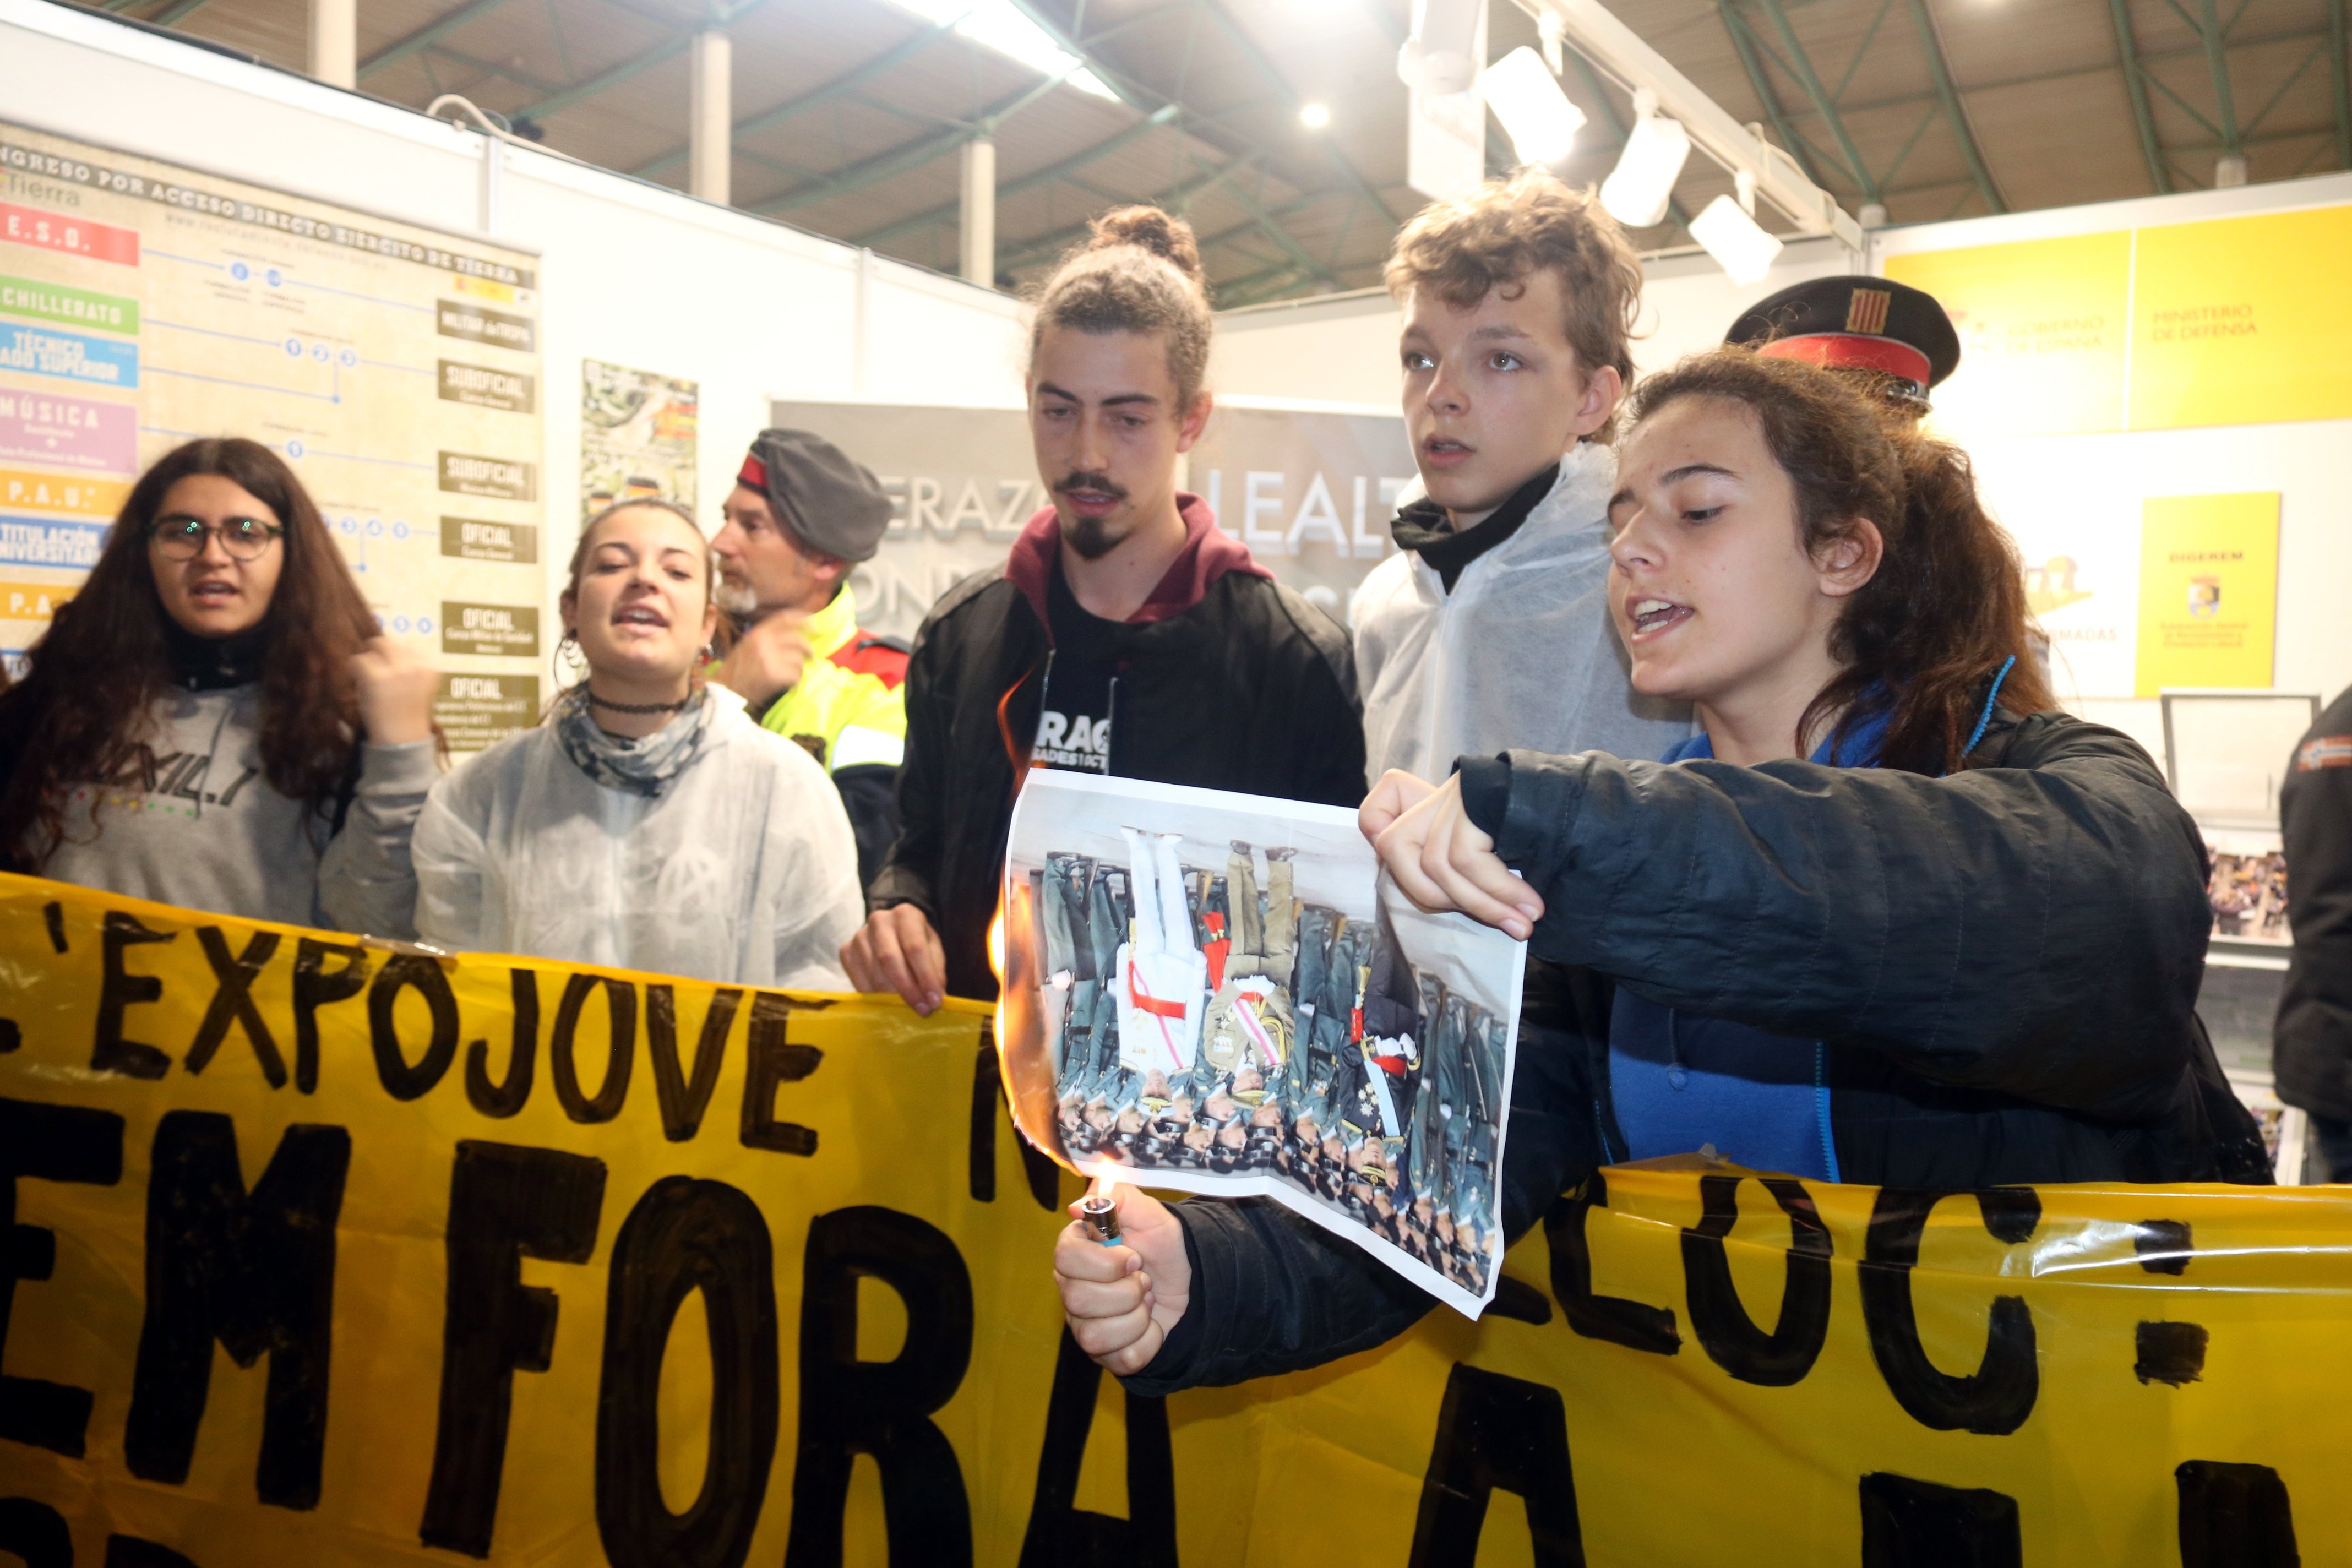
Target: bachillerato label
column 507, row 631
column 501, row 479
column 475, row 711
column 476, row 539
column 480, row 386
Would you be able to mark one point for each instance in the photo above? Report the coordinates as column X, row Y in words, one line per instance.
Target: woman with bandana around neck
column 1892, row 918
column 647, row 823
column 213, row 720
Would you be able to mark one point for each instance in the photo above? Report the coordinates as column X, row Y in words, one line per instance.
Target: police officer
column 1896, row 335
column 801, row 515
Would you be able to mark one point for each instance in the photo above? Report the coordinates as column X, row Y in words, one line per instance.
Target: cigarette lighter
column 1099, row 1212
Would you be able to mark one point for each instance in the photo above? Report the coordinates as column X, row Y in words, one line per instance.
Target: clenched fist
column 1121, row 1302
column 393, row 683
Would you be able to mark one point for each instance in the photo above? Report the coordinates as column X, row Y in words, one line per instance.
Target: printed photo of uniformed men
column 1224, row 998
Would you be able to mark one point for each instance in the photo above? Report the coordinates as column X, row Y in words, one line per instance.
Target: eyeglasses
column 183, row 537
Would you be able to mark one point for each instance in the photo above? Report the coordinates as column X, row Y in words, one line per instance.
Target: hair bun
column 1148, row 228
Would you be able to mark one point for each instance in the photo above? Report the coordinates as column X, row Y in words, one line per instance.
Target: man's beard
column 1092, row 537
column 736, row 599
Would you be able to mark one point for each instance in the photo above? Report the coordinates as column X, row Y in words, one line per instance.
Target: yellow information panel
column 2238, row 321
column 2043, row 328
column 325, row 1254
column 2244, row 321
column 2208, row 591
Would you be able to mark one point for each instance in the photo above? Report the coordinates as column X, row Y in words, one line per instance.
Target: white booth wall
column 631, row 273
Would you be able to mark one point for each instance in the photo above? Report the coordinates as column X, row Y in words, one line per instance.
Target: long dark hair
column 1924, row 639
column 91, row 683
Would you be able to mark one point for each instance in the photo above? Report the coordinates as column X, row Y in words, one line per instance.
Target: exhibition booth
column 465, row 345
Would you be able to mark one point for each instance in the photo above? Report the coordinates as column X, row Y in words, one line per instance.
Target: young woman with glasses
column 213, row 718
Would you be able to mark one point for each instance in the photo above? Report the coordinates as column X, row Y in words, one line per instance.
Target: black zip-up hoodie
column 1225, row 680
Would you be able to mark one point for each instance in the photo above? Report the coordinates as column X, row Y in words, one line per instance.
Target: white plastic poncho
column 743, row 870
column 1521, row 654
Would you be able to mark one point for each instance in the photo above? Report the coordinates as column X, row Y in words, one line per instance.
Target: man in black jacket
column 2312, row 1047
column 1127, row 634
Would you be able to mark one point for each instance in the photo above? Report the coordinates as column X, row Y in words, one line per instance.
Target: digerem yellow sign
column 2227, row 321
column 317, row 1254
column 2208, row 591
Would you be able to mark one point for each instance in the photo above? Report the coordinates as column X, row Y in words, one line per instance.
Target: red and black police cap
column 1857, row 324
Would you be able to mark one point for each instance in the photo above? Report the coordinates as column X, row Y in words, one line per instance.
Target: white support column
column 978, row 219
column 710, row 152
column 335, row 42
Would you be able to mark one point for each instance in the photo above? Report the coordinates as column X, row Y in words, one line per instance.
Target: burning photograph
column 1220, row 994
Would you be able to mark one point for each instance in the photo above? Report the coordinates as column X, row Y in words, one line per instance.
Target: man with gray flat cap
column 801, row 515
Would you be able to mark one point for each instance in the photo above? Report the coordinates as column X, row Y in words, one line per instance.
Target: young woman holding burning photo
column 1892, row 918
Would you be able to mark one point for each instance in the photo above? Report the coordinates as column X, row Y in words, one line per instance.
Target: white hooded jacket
column 743, row 870
column 1520, row 654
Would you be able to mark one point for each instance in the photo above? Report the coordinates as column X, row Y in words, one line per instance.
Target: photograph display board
column 636, row 437
column 1309, row 491
column 1220, row 993
column 2232, row 320
column 394, row 367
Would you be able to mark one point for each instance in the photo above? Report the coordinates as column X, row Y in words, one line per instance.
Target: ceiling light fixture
column 1001, row 26
column 1441, row 57
column 1541, row 120
column 1314, row 116
column 1638, row 191
column 1735, row 240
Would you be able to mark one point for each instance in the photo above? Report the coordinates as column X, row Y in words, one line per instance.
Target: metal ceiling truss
column 1828, row 105
column 1176, row 198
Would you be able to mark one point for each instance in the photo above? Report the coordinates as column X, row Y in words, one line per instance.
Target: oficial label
column 475, row 711
column 473, row 539
column 481, row 387
column 480, row 324
column 36, row 300
column 501, row 479
column 505, row 631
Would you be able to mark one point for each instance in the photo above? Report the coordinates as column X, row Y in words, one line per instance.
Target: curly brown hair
column 1924, row 639
column 91, row 683
column 1528, row 222
column 1138, row 270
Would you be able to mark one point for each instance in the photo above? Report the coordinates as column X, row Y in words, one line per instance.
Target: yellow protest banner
column 2208, row 590
column 324, row 1253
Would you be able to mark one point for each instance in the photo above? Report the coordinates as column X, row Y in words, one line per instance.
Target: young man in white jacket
column 1490, row 628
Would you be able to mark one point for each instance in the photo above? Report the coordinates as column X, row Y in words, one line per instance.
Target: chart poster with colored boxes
column 395, row 368
column 2239, row 320
column 2208, row 591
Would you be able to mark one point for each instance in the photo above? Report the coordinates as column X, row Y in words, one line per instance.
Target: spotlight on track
column 1637, row 192
column 1734, row 238
column 1441, row 57
column 1314, row 116
column 1541, row 120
